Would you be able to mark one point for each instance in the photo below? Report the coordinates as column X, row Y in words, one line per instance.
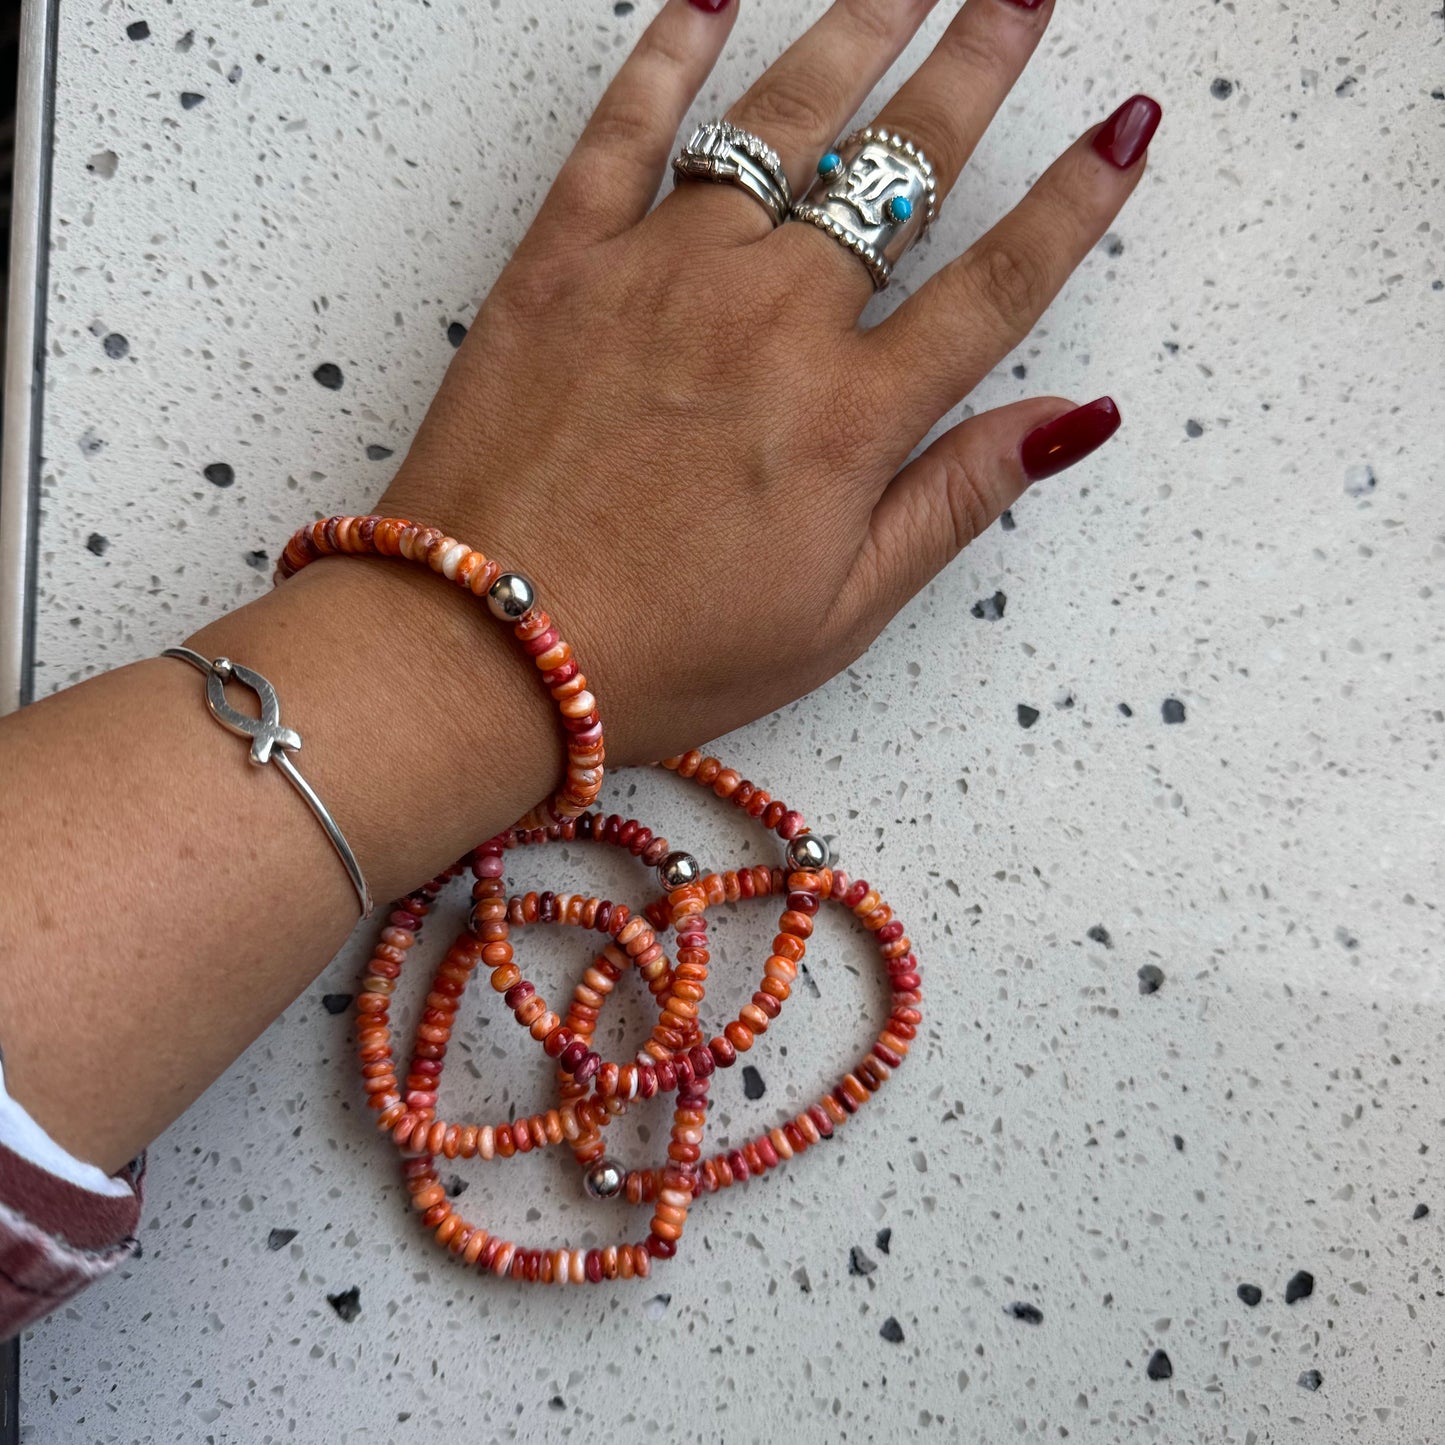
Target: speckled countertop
column 1182, row 713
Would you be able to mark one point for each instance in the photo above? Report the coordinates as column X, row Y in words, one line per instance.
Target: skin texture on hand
column 677, row 423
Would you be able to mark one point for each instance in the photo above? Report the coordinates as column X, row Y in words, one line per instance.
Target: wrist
column 424, row 733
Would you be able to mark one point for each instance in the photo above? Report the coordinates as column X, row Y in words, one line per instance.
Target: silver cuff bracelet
column 270, row 742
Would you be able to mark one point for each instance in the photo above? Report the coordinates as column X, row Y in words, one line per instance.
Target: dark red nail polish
column 1027, row 4
column 1068, row 438
column 711, row 6
column 1125, row 136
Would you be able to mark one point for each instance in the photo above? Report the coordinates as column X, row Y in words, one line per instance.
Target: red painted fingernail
column 1027, row 4
column 711, row 6
column 1068, row 438
column 1125, row 136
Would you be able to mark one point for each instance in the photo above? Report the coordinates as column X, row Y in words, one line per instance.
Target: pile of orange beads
column 677, row 1059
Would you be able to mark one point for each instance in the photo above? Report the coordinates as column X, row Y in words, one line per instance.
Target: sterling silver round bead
column 510, row 597
column 677, row 870
column 808, row 852
column 604, row 1180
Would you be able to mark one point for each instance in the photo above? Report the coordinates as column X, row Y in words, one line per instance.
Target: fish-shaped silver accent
column 265, row 731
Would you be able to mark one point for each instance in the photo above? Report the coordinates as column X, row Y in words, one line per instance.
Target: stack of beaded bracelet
column 674, row 1059
column 671, row 1059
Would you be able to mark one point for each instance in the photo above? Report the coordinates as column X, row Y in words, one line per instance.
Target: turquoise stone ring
column 898, row 209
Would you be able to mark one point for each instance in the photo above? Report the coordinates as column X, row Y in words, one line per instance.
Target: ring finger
column 949, row 101
column 799, row 104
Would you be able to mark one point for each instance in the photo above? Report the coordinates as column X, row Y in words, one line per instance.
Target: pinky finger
column 956, row 489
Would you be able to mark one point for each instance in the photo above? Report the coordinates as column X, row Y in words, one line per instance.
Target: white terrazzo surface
column 1269, row 313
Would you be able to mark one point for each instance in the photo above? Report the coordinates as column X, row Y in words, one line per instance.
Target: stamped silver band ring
column 721, row 151
column 876, row 194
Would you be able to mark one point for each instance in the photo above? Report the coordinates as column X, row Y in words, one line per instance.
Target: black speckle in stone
column 190, row 99
column 1421, row 1210
column 1006, row 519
column 1172, row 347
column 1360, row 480
column 1193, row 429
column 219, row 474
column 279, row 1238
column 753, row 1086
column 347, row 1304
column 1179, row 1142
column 623, row 8
column 1160, row 1367
column 336, row 1003
column 1126, row 709
column 455, row 1185
column 859, row 1263
column 1311, row 1380
column 1222, row 89
column 1029, row 1314
column 1028, row 716
column 556, row 1403
column 115, row 346
column 1173, row 710
column 257, row 559
column 233, row 74
column 138, row 30
column 1301, row 1286
column 186, row 41
column 456, row 333
column 882, row 1240
column 990, row 609
column 1151, row 978
column 328, row 374
column 97, row 544
column 892, row 1331
column 1437, row 94
column 1112, row 245
column 1100, row 934
column 376, row 453
column 1251, row 1294
column 1020, row 371
column 1346, row 86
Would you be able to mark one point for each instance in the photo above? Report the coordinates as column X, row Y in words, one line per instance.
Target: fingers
column 809, row 94
column 956, row 489
column 613, row 173
column 969, row 315
column 947, row 104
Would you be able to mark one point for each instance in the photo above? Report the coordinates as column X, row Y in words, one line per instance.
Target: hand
column 673, row 420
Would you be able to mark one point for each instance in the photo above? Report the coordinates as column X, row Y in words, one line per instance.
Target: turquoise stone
column 899, row 209
column 830, row 165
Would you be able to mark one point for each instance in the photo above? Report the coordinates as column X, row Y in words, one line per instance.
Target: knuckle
column 973, row 49
column 873, row 22
column 802, row 107
column 1008, row 280
column 622, row 122
column 966, row 498
column 660, row 48
column 527, row 295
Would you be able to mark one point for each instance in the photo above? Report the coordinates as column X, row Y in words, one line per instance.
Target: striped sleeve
column 63, row 1222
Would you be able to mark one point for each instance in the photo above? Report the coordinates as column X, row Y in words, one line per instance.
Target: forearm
column 169, row 899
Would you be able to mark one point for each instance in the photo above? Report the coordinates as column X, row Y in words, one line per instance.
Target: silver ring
column 721, row 151
column 876, row 194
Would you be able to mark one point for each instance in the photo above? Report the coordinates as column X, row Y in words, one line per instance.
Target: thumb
column 956, row 489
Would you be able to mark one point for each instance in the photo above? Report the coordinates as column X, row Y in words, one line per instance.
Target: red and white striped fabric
column 63, row 1223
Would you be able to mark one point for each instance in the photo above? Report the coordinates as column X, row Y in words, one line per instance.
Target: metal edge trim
column 24, row 381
